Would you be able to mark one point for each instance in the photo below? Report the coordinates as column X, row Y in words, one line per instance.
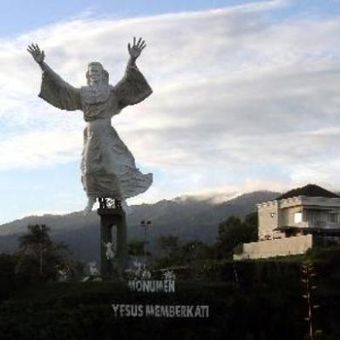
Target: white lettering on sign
column 152, row 286
column 161, row 311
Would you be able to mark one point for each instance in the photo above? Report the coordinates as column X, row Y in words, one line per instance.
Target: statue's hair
column 105, row 73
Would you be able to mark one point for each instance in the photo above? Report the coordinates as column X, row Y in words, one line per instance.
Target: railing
column 318, row 224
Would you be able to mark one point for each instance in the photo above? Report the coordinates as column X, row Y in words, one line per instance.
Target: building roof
column 311, row 190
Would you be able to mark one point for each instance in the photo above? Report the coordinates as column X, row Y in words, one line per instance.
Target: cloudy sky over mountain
column 246, row 96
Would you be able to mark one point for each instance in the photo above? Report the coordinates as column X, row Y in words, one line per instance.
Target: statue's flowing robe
column 108, row 168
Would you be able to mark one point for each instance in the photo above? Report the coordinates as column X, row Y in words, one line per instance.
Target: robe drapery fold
column 132, row 89
column 58, row 92
column 108, row 168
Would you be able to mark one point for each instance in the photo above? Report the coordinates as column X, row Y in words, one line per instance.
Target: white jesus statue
column 108, row 168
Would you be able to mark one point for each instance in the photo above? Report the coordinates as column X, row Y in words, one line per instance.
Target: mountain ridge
column 188, row 218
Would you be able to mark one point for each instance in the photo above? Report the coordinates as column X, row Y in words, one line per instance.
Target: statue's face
column 95, row 74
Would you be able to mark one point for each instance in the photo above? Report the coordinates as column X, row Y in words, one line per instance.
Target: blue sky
column 246, row 96
column 38, row 13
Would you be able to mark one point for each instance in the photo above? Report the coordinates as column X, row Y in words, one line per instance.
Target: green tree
column 39, row 257
column 233, row 232
column 194, row 251
column 169, row 245
column 136, row 248
column 7, row 275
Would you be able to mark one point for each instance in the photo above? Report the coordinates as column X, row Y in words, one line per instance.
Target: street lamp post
column 308, row 273
column 145, row 224
column 41, row 251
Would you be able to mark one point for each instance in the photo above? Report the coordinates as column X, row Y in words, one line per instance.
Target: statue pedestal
column 113, row 217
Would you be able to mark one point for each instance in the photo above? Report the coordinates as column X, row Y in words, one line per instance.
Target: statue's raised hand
column 36, row 53
column 136, row 49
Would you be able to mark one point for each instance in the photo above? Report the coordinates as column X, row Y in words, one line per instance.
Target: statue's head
column 96, row 74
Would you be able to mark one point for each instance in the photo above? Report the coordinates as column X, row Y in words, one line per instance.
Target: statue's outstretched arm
column 135, row 50
column 133, row 87
column 67, row 97
column 39, row 57
column 37, row 54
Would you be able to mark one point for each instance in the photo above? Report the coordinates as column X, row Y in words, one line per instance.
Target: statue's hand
column 136, row 48
column 37, row 55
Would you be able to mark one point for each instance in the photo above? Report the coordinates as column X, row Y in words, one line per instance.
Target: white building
column 290, row 224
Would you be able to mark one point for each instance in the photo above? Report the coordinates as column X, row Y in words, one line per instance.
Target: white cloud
column 39, row 148
column 235, row 95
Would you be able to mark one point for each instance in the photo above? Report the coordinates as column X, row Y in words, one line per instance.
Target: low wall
column 271, row 248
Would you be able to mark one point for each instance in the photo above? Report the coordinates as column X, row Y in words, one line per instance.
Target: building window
column 333, row 218
column 298, row 217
